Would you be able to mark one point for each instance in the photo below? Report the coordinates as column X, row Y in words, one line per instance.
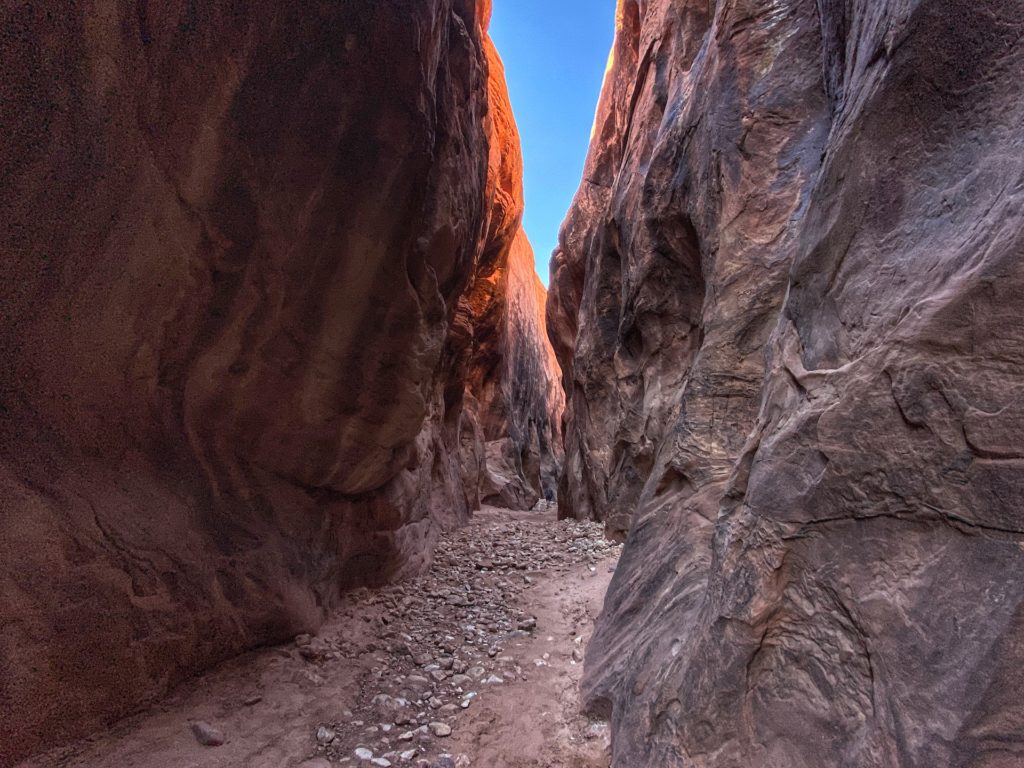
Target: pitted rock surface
column 785, row 306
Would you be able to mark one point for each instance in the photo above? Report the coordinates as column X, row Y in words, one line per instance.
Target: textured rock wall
column 236, row 238
column 513, row 388
column 523, row 400
column 786, row 305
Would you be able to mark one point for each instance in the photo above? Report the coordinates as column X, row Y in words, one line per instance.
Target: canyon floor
column 476, row 663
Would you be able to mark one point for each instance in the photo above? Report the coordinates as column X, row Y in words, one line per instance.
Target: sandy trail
column 477, row 663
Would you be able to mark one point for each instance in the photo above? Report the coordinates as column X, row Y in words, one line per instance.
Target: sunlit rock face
column 236, row 239
column 513, row 389
column 786, row 302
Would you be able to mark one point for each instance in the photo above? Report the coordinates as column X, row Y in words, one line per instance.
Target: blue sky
column 555, row 53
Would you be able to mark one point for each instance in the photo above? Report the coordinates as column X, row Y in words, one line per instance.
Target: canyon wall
column 786, row 303
column 513, row 388
column 516, row 389
column 241, row 366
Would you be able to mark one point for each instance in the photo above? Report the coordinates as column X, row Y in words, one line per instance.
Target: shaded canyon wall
column 786, row 303
column 241, row 370
column 513, row 387
column 516, row 389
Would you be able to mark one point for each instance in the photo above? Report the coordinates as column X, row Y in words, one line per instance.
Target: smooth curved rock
column 236, row 237
column 785, row 302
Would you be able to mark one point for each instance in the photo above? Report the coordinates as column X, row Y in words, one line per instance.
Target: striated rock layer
column 236, row 238
column 786, row 302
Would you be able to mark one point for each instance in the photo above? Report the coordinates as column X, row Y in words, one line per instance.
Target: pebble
column 441, row 729
column 444, row 634
column 207, row 735
column 417, row 683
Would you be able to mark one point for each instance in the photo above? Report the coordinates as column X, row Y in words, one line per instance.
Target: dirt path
column 474, row 664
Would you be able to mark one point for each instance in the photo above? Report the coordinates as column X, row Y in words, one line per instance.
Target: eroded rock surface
column 514, row 401
column 521, row 399
column 785, row 303
column 236, row 237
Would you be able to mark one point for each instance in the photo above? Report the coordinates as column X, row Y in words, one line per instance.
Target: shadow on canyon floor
column 476, row 663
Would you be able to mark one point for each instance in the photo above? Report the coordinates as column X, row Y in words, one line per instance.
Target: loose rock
column 207, row 735
column 441, row 729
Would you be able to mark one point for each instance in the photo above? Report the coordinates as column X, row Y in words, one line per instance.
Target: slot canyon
column 302, row 465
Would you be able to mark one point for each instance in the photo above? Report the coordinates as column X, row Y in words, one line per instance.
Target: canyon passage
column 301, row 465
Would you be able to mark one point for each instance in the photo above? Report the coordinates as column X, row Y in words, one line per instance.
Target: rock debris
column 444, row 640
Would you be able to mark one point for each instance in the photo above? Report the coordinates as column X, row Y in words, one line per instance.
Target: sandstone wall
column 786, row 305
column 235, row 240
column 520, row 400
column 513, row 387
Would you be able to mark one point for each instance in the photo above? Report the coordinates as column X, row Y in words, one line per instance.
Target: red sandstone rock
column 235, row 239
column 522, row 401
column 512, row 377
column 785, row 302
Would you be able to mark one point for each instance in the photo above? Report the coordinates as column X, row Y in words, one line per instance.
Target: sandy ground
column 352, row 690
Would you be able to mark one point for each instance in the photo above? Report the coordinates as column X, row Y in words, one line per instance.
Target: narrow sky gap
column 555, row 56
